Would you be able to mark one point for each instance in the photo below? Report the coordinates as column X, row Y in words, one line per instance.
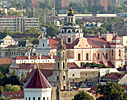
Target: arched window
column 64, row 78
column 71, row 19
column 43, row 98
column 69, row 39
column 58, row 65
column 79, row 56
column 63, row 87
column 119, row 52
column 62, row 31
column 57, row 77
column 29, row 98
column 77, row 31
column 112, row 52
column 106, row 55
column 87, row 56
column 43, row 45
column 98, row 56
column 33, row 98
column 26, row 98
column 39, row 98
column 63, row 65
column 69, row 31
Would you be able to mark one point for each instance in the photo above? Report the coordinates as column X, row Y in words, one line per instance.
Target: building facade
column 106, row 49
column 15, row 23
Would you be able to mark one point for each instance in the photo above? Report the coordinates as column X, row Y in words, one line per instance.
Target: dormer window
column 69, row 40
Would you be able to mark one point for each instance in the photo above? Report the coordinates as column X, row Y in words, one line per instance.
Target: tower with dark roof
column 70, row 31
column 37, row 87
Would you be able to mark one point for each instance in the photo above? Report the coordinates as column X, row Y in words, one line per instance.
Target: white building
column 37, row 87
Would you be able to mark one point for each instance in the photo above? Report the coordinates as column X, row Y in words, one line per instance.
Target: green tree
column 8, row 87
column 32, row 30
column 1, row 90
column 1, row 79
column 35, row 41
column 22, row 76
column 83, row 96
column 111, row 91
column 15, row 88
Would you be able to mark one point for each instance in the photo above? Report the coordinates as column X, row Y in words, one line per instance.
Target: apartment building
column 16, row 23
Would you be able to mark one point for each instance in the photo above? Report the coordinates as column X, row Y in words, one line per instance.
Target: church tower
column 59, row 78
column 70, row 31
column 61, row 67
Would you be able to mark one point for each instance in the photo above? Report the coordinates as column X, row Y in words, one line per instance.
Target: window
column 63, row 77
column 63, row 87
column 69, row 31
column 73, row 75
column 63, row 65
column 57, row 77
column 106, row 55
column 69, row 39
column 38, row 98
column 47, row 98
column 43, row 98
column 43, row 45
column 58, row 65
column 62, row 31
column 29, row 98
column 119, row 52
column 78, row 56
column 71, row 19
column 98, row 56
column 112, row 52
column 87, row 56
column 33, row 98
column 26, row 98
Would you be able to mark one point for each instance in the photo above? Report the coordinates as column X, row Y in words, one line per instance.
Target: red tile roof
column 46, row 72
column 113, row 76
column 116, row 37
column 14, row 94
column 37, row 80
column 53, row 43
column 98, row 42
column 6, row 61
column 95, row 42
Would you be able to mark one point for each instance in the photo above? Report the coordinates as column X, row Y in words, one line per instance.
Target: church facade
column 105, row 49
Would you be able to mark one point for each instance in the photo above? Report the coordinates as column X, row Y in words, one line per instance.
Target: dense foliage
column 82, row 95
column 92, row 65
column 111, row 91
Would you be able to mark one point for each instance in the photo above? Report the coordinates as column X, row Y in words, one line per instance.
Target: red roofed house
column 37, row 87
column 106, row 49
column 120, row 78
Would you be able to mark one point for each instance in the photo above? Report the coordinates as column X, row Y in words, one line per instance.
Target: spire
column 70, row 12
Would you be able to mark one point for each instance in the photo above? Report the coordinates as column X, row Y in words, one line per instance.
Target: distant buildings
column 15, row 23
column 32, row 3
column 62, row 3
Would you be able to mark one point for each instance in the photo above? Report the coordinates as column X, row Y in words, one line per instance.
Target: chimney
column 40, row 56
column 51, row 55
column 29, row 56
